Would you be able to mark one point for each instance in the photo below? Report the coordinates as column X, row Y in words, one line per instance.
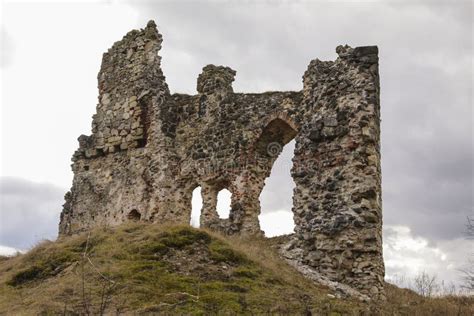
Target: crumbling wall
column 337, row 200
column 149, row 150
column 111, row 166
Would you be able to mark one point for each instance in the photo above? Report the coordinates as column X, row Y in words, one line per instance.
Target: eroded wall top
column 130, row 73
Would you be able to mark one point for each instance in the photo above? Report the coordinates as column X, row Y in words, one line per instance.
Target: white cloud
column 49, row 89
column 407, row 255
column 277, row 223
column 8, row 251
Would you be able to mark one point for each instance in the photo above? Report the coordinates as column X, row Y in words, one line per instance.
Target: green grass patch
column 221, row 252
column 183, row 236
column 246, row 272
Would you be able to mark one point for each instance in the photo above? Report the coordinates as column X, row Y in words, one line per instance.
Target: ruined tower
column 150, row 149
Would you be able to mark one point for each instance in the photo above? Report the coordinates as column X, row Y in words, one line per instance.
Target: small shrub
column 425, row 284
column 25, row 276
column 49, row 264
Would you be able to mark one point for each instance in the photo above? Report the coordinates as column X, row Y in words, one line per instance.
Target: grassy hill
column 179, row 270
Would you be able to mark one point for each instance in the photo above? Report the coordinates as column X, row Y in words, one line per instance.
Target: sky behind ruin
column 51, row 53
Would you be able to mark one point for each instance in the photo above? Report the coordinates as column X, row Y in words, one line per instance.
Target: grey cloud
column 458, row 12
column 275, row 42
column 426, row 80
column 427, row 149
column 29, row 212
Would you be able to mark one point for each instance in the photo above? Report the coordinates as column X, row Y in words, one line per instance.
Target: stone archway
column 209, row 214
column 276, row 133
column 249, row 184
column 276, row 198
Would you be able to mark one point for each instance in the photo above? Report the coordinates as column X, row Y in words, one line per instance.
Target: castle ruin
column 149, row 149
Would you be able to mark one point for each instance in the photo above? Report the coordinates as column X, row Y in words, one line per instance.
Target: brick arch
column 282, row 116
column 276, row 133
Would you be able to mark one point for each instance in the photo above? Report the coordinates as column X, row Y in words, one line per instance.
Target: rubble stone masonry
column 150, row 149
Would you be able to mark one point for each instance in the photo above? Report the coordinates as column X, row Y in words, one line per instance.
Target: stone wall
column 150, row 149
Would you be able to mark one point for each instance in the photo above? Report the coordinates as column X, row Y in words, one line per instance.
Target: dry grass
column 407, row 302
column 175, row 270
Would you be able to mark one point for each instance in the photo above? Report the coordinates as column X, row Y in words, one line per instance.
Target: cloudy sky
column 51, row 53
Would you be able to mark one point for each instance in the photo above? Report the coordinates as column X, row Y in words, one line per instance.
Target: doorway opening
column 276, row 199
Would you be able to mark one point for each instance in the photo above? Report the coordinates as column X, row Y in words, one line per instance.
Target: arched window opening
column 223, row 203
column 196, row 202
column 274, row 136
column 276, row 199
column 134, row 215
